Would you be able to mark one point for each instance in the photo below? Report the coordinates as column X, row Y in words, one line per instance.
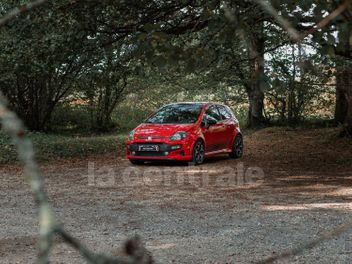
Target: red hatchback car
column 186, row 132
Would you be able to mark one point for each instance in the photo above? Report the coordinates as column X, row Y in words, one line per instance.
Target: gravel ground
column 200, row 214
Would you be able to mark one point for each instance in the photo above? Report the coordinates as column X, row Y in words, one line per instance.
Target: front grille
column 162, row 146
column 164, row 149
column 150, row 153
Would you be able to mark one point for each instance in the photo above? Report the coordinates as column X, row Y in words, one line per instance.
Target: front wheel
column 198, row 152
column 237, row 149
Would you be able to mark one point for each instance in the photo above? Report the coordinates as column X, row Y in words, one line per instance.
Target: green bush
column 308, row 122
column 68, row 117
column 242, row 116
column 128, row 117
column 51, row 146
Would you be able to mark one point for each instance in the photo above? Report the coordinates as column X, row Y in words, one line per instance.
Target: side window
column 224, row 112
column 212, row 113
column 231, row 113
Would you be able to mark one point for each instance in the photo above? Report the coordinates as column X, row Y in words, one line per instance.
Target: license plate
column 148, row 148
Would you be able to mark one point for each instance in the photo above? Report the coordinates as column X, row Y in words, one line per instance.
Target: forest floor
column 291, row 186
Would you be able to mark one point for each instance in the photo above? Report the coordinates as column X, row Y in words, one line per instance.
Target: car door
column 228, row 121
column 213, row 133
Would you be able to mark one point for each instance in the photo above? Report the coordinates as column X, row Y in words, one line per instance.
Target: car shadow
column 173, row 163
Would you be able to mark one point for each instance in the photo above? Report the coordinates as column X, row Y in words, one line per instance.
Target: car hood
column 161, row 130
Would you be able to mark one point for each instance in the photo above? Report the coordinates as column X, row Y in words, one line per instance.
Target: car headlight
column 131, row 135
column 178, row 135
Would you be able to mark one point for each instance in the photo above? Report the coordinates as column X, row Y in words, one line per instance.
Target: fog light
column 173, row 147
column 133, row 153
column 166, row 153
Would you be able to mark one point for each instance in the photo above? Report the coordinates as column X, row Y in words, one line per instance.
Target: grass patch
column 51, row 146
column 307, row 123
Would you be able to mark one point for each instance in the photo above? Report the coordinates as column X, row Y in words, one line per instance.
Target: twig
column 90, row 256
column 13, row 126
column 325, row 21
column 267, row 6
column 293, row 33
column 310, row 244
column 20, row 10
column 48, row 224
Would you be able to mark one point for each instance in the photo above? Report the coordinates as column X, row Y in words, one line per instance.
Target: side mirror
column 211, row 122
column 207, row 122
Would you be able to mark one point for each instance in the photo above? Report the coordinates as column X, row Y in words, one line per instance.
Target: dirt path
column 195, row 214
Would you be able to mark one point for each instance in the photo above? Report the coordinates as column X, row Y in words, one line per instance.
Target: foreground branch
column 48, row 224
column 309, row 245
column 292, row 32
column 20, row 10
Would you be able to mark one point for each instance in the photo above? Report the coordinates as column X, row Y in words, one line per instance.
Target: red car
column 186, row 132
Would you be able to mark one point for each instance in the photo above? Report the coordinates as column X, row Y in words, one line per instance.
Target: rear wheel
column 136, row 162
column 198, row 152
column 237, row 149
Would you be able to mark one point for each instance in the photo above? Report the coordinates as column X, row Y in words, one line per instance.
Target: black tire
column 237, row 149
column 136, row 162
column 198, row 153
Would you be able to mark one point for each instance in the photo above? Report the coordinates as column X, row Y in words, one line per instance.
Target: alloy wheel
column 237, row 151
column 198, row 153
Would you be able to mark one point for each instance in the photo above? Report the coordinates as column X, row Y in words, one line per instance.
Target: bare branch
column 48, row 225
column 20, row 10
column 311, row 244
column 293, row 33
column 13, row 126
column 267, row 6
column 324, row 22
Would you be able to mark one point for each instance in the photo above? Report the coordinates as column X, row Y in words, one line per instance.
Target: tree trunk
column 257, row 83
column 256, row 107
column 341, row 106
column 343, row 110
column 349, row 114
column 40, row 106
column 283, row 110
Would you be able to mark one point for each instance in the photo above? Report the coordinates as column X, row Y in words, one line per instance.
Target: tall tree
column 343, row 48
column 38, row 64
column 102, row 86
column 329, row 25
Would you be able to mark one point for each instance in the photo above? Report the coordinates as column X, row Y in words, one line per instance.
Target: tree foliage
column 91, row 49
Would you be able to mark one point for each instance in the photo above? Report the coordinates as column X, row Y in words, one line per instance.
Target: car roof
column 202, row 103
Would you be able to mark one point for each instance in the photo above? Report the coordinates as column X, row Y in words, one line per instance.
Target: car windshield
column 176, row 114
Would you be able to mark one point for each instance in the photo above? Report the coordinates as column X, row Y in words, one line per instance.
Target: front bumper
column 165, row 151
